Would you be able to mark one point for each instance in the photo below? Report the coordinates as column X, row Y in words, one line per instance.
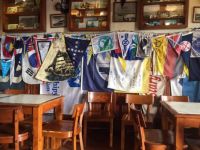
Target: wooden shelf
column 11, row 20
column 161, row 16
column 79, row 20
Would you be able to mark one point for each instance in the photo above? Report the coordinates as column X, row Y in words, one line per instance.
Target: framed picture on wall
column 58, row 20
column 124, row 12
column 196, row 15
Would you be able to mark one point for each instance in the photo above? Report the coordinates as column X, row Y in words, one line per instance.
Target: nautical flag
column 194, row 68
column 145, row 46
column 128, row 42
column 57, row 65
column 76, row 48
column 159, row 45
column 8, row 47
column 4, row 81
column 157, row 85
column 16, row 71
column 95, row 73
column 182, row 86
column 5, row 66
column 104, row 43
column 71, row 97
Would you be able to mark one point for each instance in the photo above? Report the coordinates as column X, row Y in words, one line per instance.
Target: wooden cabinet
column 24, row 16
column 163, row 14
column 89, row 15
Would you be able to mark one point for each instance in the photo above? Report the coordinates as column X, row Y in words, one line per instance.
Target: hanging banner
column 57, row 65
column 104, row 43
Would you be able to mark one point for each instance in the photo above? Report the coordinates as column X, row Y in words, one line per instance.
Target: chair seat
column 60, row 129
column 194, row 144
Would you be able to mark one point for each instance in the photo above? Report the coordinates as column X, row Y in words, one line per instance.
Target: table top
column 4, row 95
column 27, row 99
column 187, row 108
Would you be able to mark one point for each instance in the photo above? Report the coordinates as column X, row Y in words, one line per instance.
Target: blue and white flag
column 95, row 73
column 76, row 48
column 128, row 42
column 5, row 66
column 72, row 95
column 104, row 43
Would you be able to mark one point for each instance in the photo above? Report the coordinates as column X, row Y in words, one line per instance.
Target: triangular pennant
column 76, row 48
column 5, row 66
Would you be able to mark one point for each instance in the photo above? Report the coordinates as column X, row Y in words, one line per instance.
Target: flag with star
column 76, row 48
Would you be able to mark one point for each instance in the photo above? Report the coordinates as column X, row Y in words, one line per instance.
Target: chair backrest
column 12, row 91
column 78, row 116
column 140, row 100
column 99, row 101
column 11, row 115
column 175, row 98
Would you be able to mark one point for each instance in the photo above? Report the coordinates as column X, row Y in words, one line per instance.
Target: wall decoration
column 125, row 12
column 28, row 22
column 196, row 15
column 58, row 20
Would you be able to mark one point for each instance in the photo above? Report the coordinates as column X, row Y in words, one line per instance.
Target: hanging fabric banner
column 5, row 66
column 145, row 45
column 7, row 47
column 105, row 42
column 95, row 73
column 57, row 65
column 76, row 48
column 127, row 42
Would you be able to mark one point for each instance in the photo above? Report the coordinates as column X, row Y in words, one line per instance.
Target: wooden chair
column 99, row 110
column 13, row 91
column 149, row 139
column 10, row 131
column 135, row 101
column 175, row 98
column 58, row 130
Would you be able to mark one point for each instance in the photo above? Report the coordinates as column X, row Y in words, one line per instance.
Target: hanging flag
column 105, row 42
column 57, row 65
column 194, row 68
column 159, row 45
column 16, row 67
column 156, row 85
column 5, row 66
column 145, row 45
column 128, row 41
column 4, row 81
column 8, row 47
column 76, row 48
column 95, row 74
column 184, row 87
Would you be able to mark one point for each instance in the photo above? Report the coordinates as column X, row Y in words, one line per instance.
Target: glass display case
column 89, row 15
column 163, row 14
column 24, row 16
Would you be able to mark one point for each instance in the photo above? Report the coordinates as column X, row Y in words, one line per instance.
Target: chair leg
column 111, row 133
column 81, row 141
column 16, row 145
column 74, row 142
column 122, row 136
column 85, row 132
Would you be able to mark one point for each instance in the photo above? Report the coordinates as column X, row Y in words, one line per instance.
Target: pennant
column 8, row 47
column 104, row 43
column 57, row 65
column 76, row 48
column 127, row 42
column 159, row 45
column 95, row 74
column 145, row 46
column 5, row 66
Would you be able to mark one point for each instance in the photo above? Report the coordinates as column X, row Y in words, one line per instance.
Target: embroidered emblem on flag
column 8, row 47
column 105, row 42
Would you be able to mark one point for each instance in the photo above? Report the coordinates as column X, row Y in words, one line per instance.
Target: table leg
column 179, row 135
column 59, row 111
column 37, row 128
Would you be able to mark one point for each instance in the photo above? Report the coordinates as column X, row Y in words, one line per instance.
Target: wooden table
column 183, row 114
column 37, row 104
